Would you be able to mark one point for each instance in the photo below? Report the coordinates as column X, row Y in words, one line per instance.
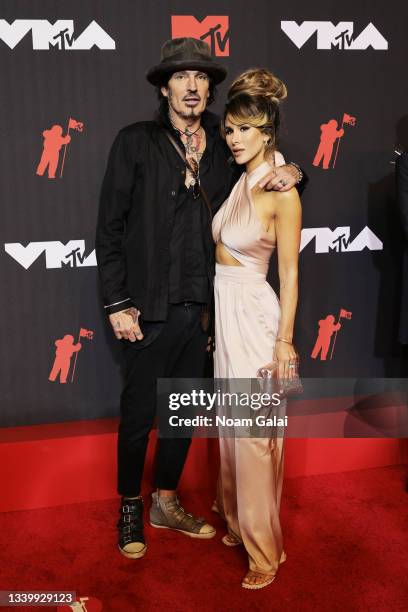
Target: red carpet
column 346, row 537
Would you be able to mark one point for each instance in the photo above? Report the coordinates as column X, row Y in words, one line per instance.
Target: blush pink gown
column 247, row 313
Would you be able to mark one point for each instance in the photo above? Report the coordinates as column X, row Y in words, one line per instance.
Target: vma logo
column 214, row 30
column 57, row 255
column 59, row 35
column 338, row 240
column 330, row 36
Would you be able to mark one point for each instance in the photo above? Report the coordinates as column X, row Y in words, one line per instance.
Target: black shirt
column 188, row 278
column 139, row 198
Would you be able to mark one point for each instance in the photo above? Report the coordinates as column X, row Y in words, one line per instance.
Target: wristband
column 283, row 340
column 298, row 168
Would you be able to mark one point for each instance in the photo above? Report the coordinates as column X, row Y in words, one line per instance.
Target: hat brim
column 157, row 74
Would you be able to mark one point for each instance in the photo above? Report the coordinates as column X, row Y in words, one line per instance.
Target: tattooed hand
column 282, row 178
column 125, row 324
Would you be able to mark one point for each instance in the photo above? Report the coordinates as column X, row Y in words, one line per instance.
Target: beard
column 188, row 113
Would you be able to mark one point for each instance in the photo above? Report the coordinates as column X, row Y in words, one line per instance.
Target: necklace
column 191, row 141
column 186, row 132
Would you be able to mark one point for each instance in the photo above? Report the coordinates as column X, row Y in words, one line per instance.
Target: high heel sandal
column 257, row 585
column 230, row 540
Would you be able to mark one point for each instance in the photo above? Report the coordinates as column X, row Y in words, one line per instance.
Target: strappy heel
column 257, row 585
column 230, row 540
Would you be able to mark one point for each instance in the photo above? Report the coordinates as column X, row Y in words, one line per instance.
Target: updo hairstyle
column 254, row 98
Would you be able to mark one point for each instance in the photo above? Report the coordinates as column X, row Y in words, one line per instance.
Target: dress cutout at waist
column 238, row 227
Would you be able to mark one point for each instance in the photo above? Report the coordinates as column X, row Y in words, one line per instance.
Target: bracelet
column 283, row 340
column 298, row 168
column 117, row 303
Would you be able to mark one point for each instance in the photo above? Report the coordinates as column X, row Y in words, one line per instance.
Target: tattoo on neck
column 193, row 144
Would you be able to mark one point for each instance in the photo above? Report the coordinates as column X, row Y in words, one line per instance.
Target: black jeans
column 180, row 352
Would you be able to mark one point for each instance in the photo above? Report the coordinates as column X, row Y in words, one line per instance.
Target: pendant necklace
column 190, row 148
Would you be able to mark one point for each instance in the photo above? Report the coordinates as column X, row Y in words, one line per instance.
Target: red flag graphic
column 85, row 333
column 345, row 314
column 349, row 119
column 75, row 125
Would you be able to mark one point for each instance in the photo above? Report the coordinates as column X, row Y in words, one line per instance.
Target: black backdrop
column 105, row 89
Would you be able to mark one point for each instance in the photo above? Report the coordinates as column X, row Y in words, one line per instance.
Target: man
column 156, row 262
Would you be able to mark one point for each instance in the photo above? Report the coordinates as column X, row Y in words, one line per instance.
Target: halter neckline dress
column 247, row 314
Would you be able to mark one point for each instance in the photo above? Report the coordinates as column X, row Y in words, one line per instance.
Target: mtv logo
column 214, row 30
column 59, row 35
column 338, row 240
column 57, row 254
column 330, row 36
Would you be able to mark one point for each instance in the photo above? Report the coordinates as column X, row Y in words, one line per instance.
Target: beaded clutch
column 284, row 386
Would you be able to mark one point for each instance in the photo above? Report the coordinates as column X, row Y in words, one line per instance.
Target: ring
column 284, row 183
column 292, row 365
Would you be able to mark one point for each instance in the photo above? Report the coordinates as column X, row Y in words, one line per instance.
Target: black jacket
column 402, row 197
column 138, row 198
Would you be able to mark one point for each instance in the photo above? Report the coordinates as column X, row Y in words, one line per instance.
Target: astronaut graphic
column 328, row 327
column 53, row 141
column 329, row 134
column 65, row 349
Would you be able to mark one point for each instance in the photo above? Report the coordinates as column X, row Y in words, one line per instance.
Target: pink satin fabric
column 247, row 313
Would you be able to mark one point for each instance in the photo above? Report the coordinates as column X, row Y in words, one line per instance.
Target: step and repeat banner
column 73, row 74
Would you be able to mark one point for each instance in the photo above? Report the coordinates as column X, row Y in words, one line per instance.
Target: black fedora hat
column 185, row 54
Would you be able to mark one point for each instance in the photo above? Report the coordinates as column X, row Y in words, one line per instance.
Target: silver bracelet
column 298, row 168
column 117, row 303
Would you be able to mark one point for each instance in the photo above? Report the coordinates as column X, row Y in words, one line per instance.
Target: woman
column 252, row 330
